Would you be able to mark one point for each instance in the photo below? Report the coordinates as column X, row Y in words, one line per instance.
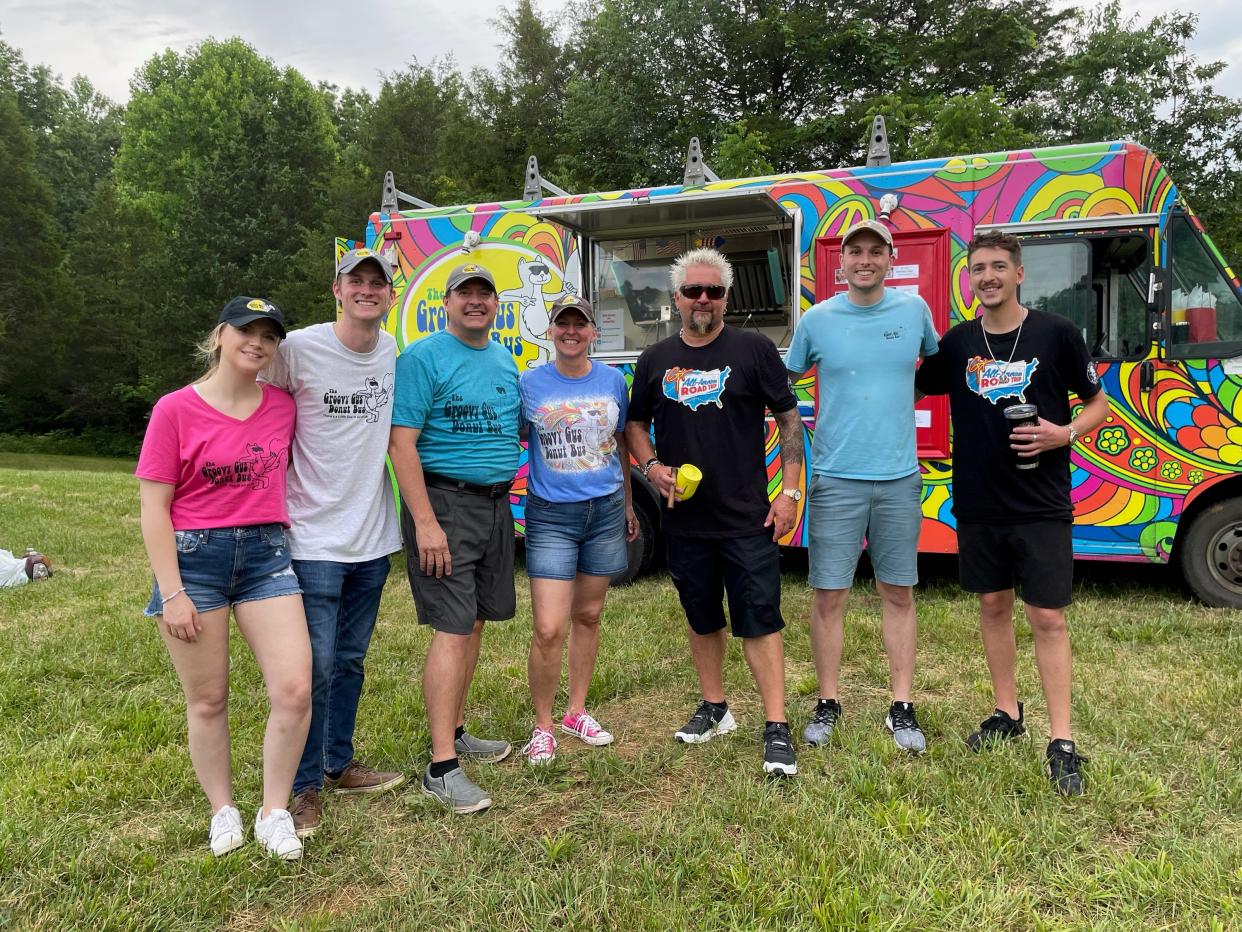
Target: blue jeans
column 341, row 601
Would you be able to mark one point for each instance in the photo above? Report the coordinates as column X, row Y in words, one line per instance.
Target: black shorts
column 747, row 568
column 479, row 529
column 1037, row 557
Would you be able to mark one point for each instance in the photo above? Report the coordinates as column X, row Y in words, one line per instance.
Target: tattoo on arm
column 790, row 425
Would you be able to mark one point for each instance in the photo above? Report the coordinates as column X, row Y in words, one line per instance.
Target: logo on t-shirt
column 696, row 387
column 1092, row 375
column 579, row 434
column 365, row 403
column 994, row 380
column 255, row 468
column 469, row 418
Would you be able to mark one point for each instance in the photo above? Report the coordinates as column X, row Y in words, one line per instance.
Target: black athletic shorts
column 747, row 568
column 1036, row 558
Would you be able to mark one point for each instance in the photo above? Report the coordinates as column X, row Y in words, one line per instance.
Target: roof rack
column 697, row 172
column 390, row 200
column 536, row 184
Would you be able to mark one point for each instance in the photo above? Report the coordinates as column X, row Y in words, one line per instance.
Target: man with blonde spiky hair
column 706, row 389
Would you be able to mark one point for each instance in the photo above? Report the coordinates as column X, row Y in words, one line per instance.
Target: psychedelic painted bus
column 1107, row 242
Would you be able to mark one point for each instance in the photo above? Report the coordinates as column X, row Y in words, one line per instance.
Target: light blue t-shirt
column 466, row 402
column 573, row 426
column 866, row 358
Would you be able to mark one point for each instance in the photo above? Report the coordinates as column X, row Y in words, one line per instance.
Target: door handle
column 1147, row 375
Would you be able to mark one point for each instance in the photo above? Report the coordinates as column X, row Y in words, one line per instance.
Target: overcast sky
column 108, row 39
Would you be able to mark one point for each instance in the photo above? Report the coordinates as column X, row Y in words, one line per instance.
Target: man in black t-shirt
column 707, row 389
column 1015, row 524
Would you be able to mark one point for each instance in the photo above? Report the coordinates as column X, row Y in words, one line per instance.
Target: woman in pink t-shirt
column 212, row 483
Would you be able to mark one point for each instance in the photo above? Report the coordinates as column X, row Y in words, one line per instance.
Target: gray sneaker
column 456, row 791
column 469, row 747
column 904, row 728
column 819, row 729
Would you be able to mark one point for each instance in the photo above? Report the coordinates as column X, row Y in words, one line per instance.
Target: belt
column 436, row 481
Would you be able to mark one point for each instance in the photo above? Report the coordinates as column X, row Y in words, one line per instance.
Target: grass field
column 102, row 824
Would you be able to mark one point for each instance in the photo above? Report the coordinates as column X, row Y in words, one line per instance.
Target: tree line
column 125, row 228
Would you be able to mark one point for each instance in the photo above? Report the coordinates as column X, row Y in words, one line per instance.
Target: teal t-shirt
column 465, row 401
column 866, row 358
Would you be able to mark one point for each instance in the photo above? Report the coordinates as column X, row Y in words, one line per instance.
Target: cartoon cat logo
column 262, row 463
column 376, row 396
column 533, row 318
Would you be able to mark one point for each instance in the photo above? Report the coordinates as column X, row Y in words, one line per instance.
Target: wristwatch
column 646, row 467
column 795, row 494
column 1073, row 434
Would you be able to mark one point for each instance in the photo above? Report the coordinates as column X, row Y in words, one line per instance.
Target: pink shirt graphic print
column 225, row 472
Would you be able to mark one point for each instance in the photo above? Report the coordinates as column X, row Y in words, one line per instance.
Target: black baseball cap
column 244, row 309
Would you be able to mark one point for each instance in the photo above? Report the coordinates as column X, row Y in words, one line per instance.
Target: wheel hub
column 1225, row 557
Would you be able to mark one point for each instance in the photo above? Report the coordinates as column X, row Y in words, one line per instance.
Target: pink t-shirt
column 227, row 473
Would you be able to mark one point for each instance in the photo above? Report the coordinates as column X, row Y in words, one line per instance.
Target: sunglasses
column 714, row 292
column 539, row 269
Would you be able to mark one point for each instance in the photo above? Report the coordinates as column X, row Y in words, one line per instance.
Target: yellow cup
column 687, row 480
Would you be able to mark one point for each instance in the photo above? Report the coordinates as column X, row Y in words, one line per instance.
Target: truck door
column 920, row 266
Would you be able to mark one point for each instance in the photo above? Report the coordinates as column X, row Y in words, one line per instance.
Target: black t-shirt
column 708, row 404
column 1049, row 362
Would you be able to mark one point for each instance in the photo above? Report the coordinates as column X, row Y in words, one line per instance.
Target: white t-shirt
column 341, row 502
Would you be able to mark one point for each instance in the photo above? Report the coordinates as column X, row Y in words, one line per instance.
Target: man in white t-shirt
column 344, row 519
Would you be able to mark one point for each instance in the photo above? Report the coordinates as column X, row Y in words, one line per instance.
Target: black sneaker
column 998, row 727
column 819, row 729
column 706, row 722
column 778, row 752
column 1065, row 767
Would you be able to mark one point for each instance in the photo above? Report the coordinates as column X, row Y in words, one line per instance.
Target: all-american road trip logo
column 696, row 387
column 994, row 380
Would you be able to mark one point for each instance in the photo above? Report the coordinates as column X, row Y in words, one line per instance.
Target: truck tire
column 641, row 551
column 1211, row 554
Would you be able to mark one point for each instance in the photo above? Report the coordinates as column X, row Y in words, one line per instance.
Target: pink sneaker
column 541, row 748
column 586, row 728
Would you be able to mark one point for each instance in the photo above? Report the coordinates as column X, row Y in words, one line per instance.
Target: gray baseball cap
column 873, row 226
column 464, row 273
column 355, row 257
column 571, row 302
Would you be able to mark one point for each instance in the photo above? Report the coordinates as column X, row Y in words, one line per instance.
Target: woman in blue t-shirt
column 578, row 516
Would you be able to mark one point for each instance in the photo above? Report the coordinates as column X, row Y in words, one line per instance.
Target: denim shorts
column 225, row 565
column 885, row 514
column 564, row 539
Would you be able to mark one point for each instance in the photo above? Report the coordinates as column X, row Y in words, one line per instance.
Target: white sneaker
column 277, row 835
column 226, row 831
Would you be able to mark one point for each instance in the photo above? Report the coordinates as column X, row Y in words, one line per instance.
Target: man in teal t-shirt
column 455, row 449
column 865, row 482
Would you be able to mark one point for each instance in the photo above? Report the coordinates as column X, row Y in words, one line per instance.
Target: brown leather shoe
column 359, row 778
column 307, row 812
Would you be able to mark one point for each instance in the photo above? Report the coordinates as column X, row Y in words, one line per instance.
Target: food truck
column 1107, row 242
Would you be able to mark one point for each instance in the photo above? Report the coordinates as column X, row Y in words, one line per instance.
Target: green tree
column 234, row 156
column 35, row 293
column 75, row 130
column 520, row 101
column 1123, row 77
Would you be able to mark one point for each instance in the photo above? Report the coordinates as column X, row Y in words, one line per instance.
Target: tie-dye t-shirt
column 573, row 424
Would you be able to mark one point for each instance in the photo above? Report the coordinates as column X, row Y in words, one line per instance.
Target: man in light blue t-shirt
column 455, row 449
column 865, row 482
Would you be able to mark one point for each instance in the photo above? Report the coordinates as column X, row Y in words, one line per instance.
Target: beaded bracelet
column 172, row 595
